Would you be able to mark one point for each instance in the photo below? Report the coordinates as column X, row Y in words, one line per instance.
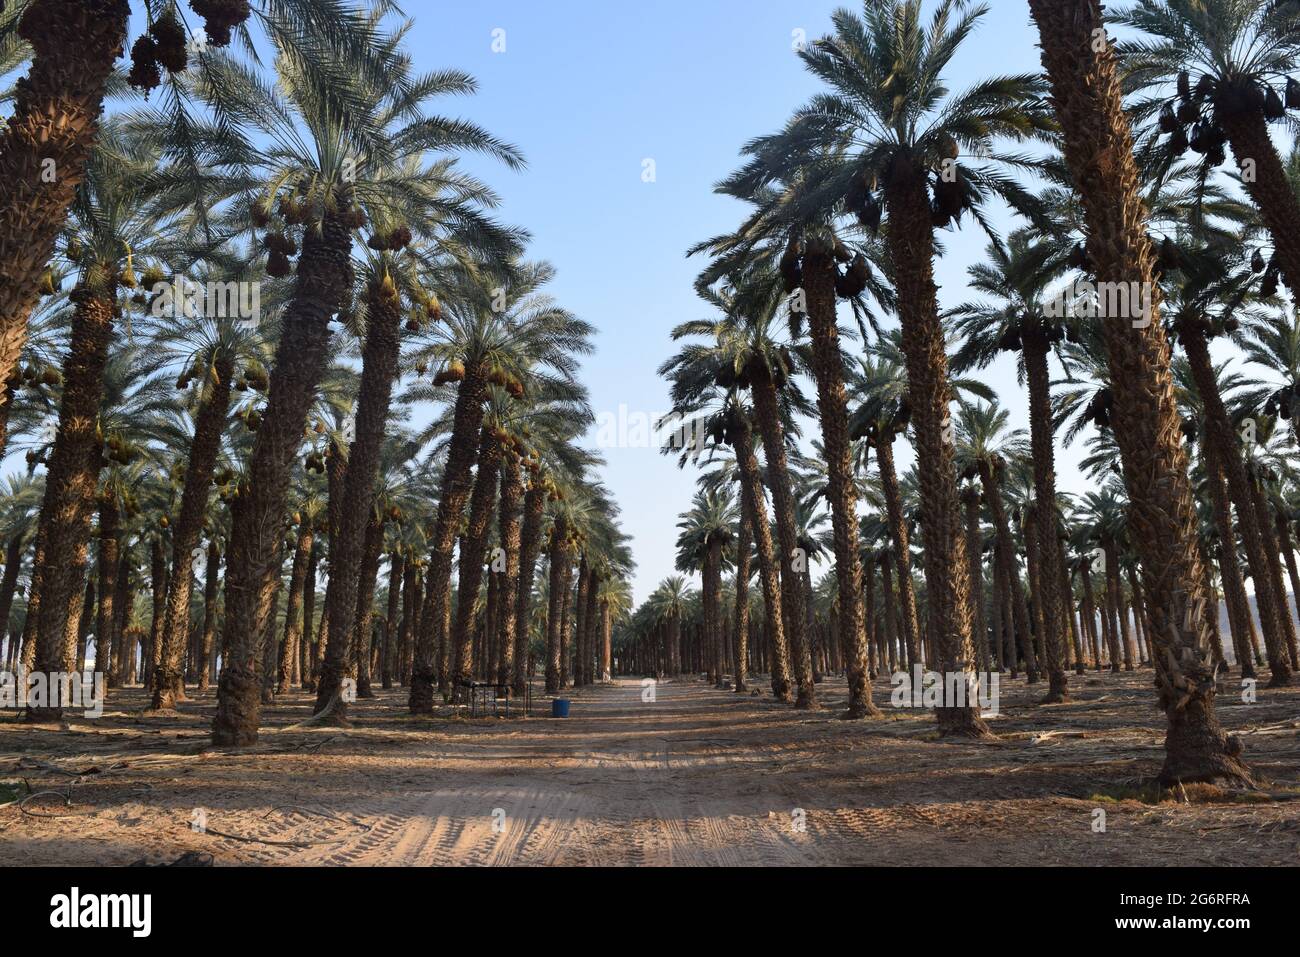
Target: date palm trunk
column 324, row 277
column 473, row 549
column 410, row 611
column 70, row 485
column 211, row 586
column 841, row 492
column 902, row 550
column 1270, row 189
column 580, row 611
column 589, row 627
column 1098, row 147
column 1004, row 555
column 169, row 686
column 45, row 144
column 1224, row 455
column 396, row 574
column 530, row 541
column 8, row 587
column 107, row 562
column 1070, row 606
column 559, row 559
column 293, row 606
column 1239, row 620
column 712, row 616
column 307, row 653
column 755, row 505
column 456, row 485
column 947, row 574
column 510, row 534
column 347, row 544
column 1090, row 610
column 767, row 413
column 974, row 550
column 363, row 619
column 1288, row 553
column 1279, row 663
column 158, row 599
column 740, row 647
column 1044, row 469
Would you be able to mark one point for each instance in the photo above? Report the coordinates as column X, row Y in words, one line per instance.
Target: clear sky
column 589, row 91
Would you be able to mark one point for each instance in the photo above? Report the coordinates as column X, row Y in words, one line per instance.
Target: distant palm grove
column 299, row 414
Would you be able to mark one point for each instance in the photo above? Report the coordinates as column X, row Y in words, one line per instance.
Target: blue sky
column 589, row 90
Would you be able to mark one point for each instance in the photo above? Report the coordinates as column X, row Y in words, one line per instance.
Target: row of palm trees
column 257, row 436
column 845, row 207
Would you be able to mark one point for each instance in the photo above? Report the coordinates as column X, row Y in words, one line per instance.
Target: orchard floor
column 695, row 777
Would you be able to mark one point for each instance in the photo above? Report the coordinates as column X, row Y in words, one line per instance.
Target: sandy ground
column 696, row 777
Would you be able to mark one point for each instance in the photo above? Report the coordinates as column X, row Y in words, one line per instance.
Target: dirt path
column 694, row 777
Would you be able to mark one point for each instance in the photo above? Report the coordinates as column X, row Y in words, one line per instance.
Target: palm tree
column 1202, row 296
column 476, row 345
column 1211, row 66
column 882, row 412
column 325, row 181
column 113, row 223
column 614, row 597
column 987, row 450
column 73, row 44
column 889, row 127
column 706, row 544
column 1098, row 145
column 740, row 351
column 668, row 606
column 1016, row 278
column 46, row 145
column 415, row 208
column 211, row 351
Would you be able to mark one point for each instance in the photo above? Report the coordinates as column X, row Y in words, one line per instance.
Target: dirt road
column 693, row 777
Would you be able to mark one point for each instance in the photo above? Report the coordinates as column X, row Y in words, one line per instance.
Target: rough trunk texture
column 740, row 647
column 911, row 249
column 473, row 550
column 211, row 587
column 1004, row 555
column 1098, row 146
column 209, row 426
column 508, row 530
column 841, row 492
column 396, row 572
column 790, row 559
column 902, row 551
column 1270, row 190
column 1278, row 664
column 530, row 542
column 324, row 278
column 756, row 506
column 1044, row 516
column 559, row 559
column 974, row 551
column 378, row 371
column 108, row 559
column 70, row 485
column 1224, row 455
column 363, row 618
column 45, row 144
column 456, row 484
column 293, row 606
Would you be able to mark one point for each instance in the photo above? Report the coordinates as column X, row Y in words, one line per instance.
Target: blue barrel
column 559, row 707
